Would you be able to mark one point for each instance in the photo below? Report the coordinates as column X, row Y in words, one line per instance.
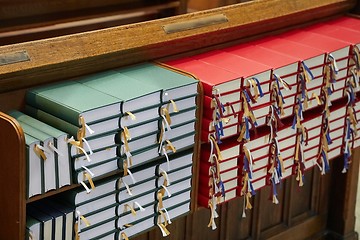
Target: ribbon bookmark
column 213, row 214
column 87, row 145
column 31, row 235
column 40, row 151
column 306, row 72
column 175, row 109
column 167, row 158
column 163, row 230
column 356, row 52
column 123, row 236
column 131, row 175
column 139, row 206
column 80, row 218
column 166, row 115
column 128, row 190
column 85, row 187
column 127, row 207
column 52, row 147
column 218, row 151
column 89, row 178
column 126, row 133
column 161, row 225
column 84, row 126
column 170, row 146
column 132, row 116
column 333, row 63
column 166, row 190
column 166, row 177
column 160, row 196
column 283, row 83
column 78, row 144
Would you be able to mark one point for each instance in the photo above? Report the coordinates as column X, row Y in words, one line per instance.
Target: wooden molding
column 12, row 148
column 73, row 55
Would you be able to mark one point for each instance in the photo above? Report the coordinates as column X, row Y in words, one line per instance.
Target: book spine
column 55, row 108
column 52, row 120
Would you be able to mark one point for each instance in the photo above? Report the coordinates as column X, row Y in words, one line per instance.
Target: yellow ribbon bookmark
column 218, row 151
column 166, row 113
column 124, row 236
column 126, row 206
column 39, row 152
column 89, row 178
column 132, row 116
column 87, row 223
column 165, row 232
column 170, row 146
column 127, row 133
column 126, row 144
column 175, row 109
column 160, row 196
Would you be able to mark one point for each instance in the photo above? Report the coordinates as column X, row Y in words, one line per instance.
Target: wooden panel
column 342, row 196
column 272, row 214
column 238, row 227
column 12, row 187
column 301, row 196
column 200, row 219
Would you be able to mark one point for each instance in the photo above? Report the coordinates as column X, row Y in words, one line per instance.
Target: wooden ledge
column 73, row 55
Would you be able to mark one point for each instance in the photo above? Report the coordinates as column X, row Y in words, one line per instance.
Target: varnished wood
column 22, row 21
column 12, row 187
column 85, row 20
column 343, row 197
column 68, row 56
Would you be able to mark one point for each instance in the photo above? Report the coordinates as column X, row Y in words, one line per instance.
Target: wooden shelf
column 75, row 17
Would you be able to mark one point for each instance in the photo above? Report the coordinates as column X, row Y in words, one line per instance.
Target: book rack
column 327, row 204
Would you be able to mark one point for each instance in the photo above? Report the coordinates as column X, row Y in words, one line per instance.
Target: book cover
column 60, row 144
column 34, row 168
column 173, row 84
column 71, row 100
column 50, row 170
column 124, row 88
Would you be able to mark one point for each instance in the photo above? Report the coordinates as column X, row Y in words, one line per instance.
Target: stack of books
column 87, row 110
column 131, row 119
column 161, row 195
column 177, row 109
column 49, row 219
column 47, row 155
column 276, row 107
column 126, row 207
column 95, row 210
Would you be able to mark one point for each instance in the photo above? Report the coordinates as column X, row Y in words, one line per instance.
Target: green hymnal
column 60, row 145
column 34, row 167
column 47, row 155
column 135, row 94
column 72, row 100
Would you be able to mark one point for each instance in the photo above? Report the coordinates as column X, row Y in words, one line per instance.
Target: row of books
column 276, row 107
column 273, row 108
column 50, row 219
column 153, row 195
column 141, row 120
column 308, row 66
column 110, row 120
column 47, row 155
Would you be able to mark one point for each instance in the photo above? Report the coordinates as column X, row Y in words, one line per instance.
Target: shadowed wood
column 30, row 20
column 12, row 187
